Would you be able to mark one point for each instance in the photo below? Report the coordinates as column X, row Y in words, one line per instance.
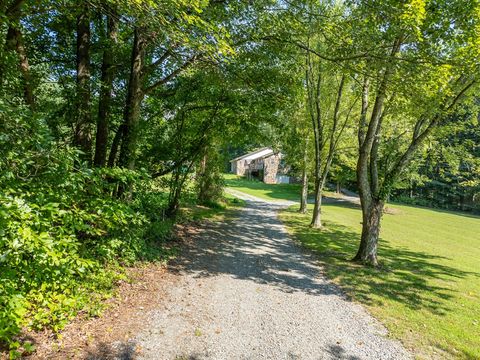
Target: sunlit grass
column 427, row 291
column 262, row 190
column 275, row 192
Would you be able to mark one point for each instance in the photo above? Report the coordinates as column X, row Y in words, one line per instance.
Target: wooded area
column 115, row 113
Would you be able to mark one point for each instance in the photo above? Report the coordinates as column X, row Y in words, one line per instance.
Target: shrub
column 63, row 233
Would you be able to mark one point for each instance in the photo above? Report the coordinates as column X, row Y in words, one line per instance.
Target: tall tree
column 14, row 42
column 82, row 136
column 135, row 95
column 415, row 87
column 106, row 85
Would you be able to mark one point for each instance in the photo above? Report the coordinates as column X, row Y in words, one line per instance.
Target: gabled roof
column 260, row 153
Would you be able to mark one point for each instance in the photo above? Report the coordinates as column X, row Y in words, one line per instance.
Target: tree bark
column 112, row 157
column 367, row 174
column 174, row 198
column 371, row 216
column 176, row 186
column 203, row 184
column 135, row 97
column 82, row 130
column 304, row 194
column 317, row 209
column 313, row 91
column 101, row 140
column 15, row 42
column 304, row 197
column 333, row 135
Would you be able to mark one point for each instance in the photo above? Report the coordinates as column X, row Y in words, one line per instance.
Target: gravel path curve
column 246, row 291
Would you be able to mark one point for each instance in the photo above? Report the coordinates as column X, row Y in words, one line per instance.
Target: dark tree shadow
column 256, row 248
column 404, row 276
column 115, row 351
column 338, row 352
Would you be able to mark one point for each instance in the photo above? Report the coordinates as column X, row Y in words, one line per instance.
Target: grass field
column 427, row 290
column 267, row 191
column 262, row 190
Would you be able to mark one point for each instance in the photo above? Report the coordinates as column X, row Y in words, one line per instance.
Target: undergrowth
column 67, row 231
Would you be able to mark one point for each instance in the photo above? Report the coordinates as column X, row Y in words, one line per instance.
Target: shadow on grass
column 256, row 247
column 404, row 276
column 442, row 211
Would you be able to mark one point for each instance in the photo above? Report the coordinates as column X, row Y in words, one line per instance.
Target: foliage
column 209, row 180
column 63, row 235
column 447, row 174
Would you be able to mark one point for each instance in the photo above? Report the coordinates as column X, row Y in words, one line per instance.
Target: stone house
column 263, row 164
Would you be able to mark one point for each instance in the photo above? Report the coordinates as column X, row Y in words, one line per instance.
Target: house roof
column 259, row 153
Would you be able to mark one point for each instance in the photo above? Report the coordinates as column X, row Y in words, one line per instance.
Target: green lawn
column 266, row 191
column 262, row 190
column 427, row 291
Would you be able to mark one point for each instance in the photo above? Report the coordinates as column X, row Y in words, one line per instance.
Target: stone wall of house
column 270, row 166
column 240, row 167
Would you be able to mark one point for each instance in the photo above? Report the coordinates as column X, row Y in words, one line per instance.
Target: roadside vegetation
column 114, row 119
column 66, row 240
column 117, row 119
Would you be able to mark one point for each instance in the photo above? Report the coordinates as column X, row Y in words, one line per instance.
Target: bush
column 209, row 179
column 63, row 234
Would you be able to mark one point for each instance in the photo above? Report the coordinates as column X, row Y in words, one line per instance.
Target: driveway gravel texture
column 247, row 291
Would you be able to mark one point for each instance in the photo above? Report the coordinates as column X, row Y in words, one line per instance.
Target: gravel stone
column 247, row 291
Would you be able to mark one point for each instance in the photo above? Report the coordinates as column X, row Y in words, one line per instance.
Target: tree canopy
column 114, row 113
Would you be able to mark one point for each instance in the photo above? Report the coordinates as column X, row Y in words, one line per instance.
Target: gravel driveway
column 246, row 291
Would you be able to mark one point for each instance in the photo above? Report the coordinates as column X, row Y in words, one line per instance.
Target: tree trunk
column 317, row 209
column 304, row 194
column 203, row 181
column 304, row 197
column 107, row 77
column 371, row 216
column 83, row 134
column 174, row 196
column 112, row 157
column 15, row 42
column 135, row 97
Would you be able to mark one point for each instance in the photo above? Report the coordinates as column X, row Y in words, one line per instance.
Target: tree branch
column 170, row 76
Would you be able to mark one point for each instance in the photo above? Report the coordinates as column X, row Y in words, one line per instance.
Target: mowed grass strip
column 427, row 290
column 271, row 192
column 262, row 190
